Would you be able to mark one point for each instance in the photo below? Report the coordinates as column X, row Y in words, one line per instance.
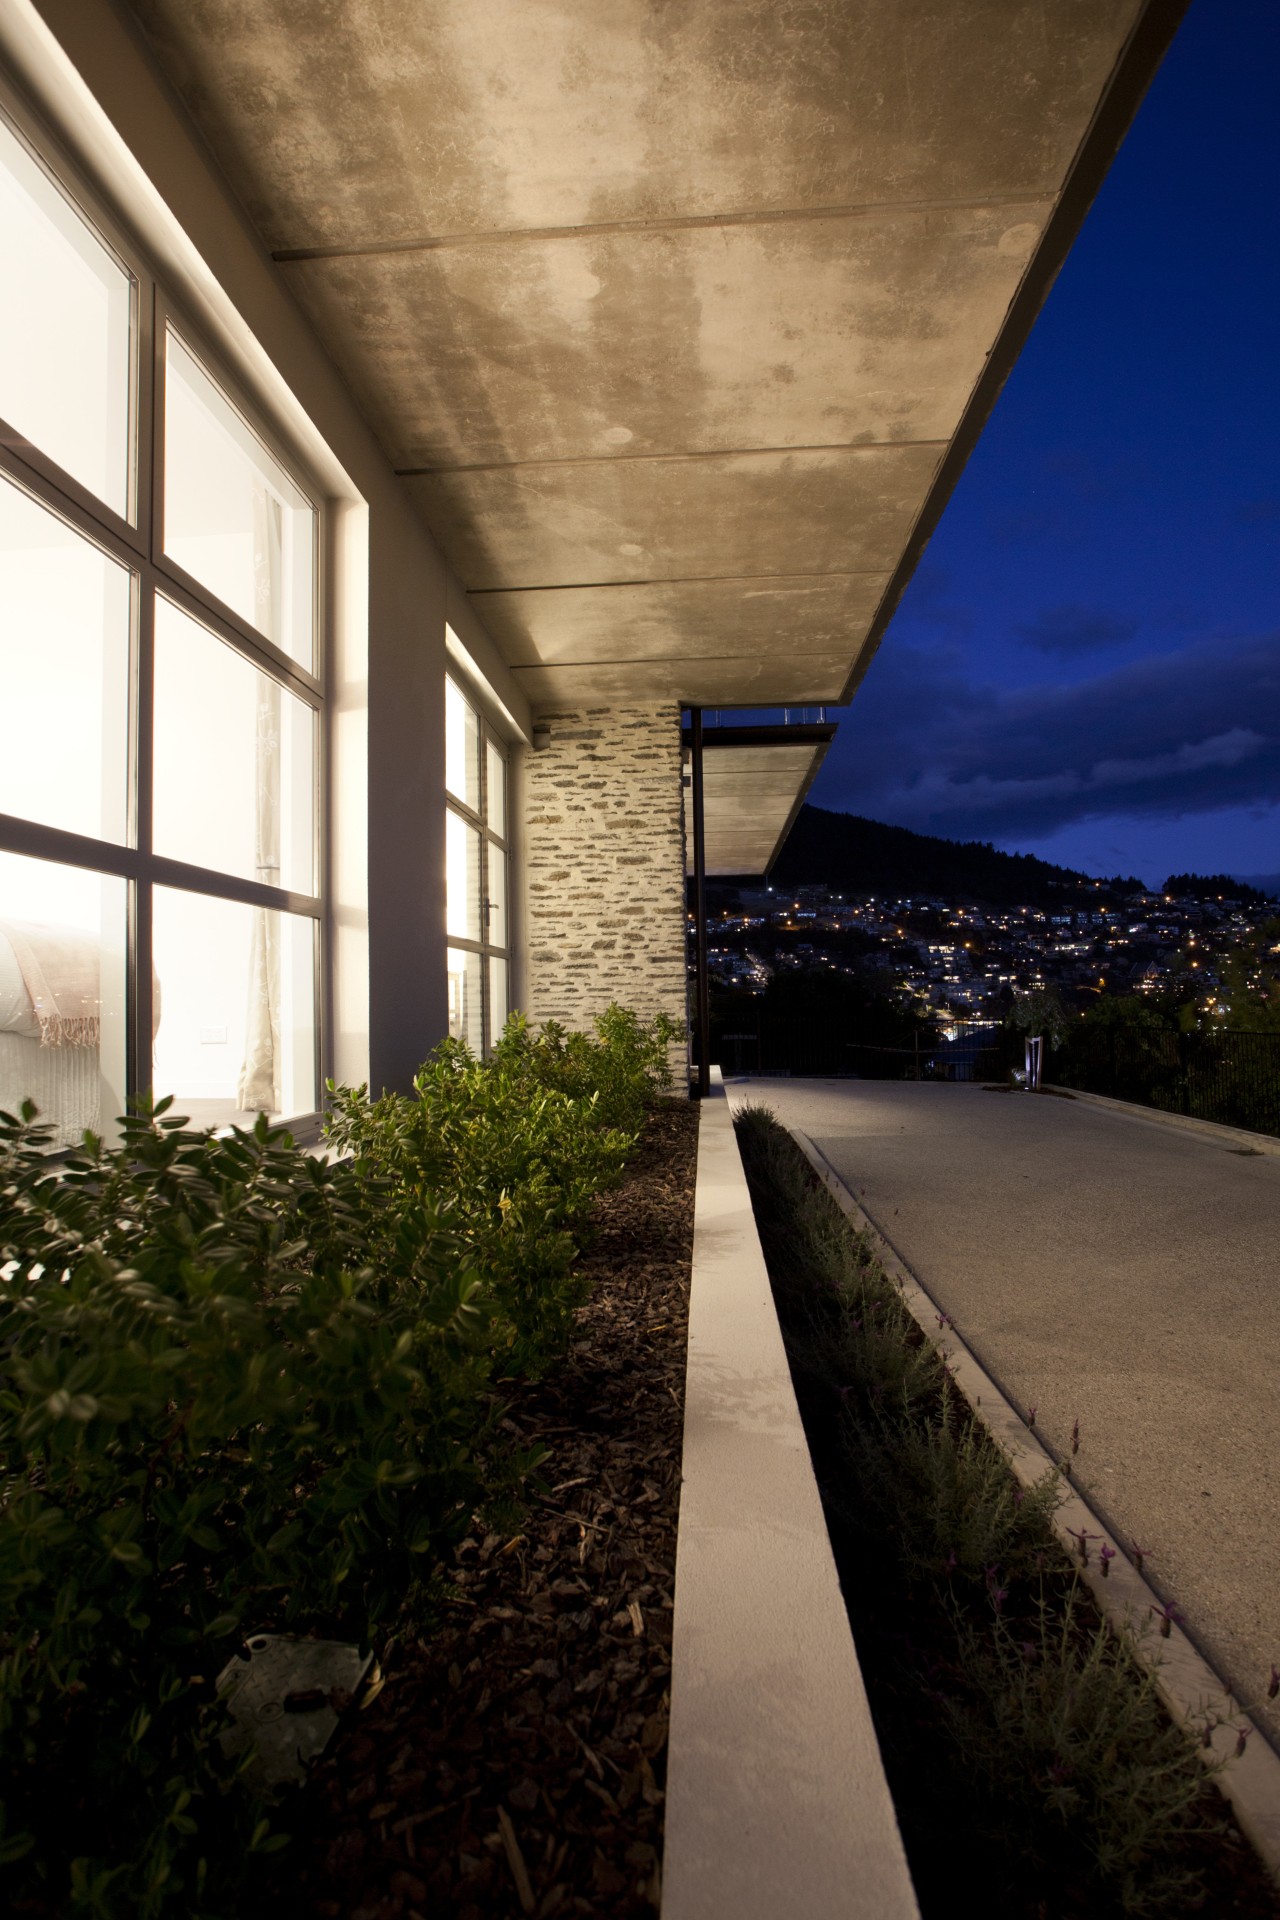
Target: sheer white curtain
column 258, row 1088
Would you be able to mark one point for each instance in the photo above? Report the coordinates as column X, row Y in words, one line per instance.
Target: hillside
column 854, row 855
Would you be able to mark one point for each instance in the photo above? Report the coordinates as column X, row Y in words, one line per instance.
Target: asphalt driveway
column 1111, row 1270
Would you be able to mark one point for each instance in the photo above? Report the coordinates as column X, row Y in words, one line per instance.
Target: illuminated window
column 477, row 878
column 160, row 731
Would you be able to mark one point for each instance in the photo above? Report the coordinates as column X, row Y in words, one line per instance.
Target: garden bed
column 248, row 1393
column 1028, row 1754
column 514, row 1760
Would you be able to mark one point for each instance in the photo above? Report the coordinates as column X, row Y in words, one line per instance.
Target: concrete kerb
column 1234, row 1139
column 777, row 1804
column 1192, row 1691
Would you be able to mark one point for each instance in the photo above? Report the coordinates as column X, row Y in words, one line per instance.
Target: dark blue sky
column 1087, row 662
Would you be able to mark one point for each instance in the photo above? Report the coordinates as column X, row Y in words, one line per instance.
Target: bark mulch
column 513, row 1763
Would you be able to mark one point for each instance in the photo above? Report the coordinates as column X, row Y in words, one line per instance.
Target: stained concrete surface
column 381, row 121
column 636, row 519
column 704, row 289
column 1111, row 1270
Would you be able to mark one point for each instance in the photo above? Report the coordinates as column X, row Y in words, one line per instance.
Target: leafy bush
column 229, row 1397
column 621, row 1069
column 522, row 1142
column 1066, row 1726
column 242, row 1388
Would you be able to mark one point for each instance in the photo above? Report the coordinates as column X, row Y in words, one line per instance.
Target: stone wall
column 604, row 866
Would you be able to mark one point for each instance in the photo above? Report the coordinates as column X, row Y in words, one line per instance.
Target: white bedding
column 64, row 1082
column 16, row 1013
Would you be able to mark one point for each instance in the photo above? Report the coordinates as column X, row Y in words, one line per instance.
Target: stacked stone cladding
column 604, row 865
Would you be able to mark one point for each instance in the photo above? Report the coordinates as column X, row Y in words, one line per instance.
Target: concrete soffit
column 678, row 340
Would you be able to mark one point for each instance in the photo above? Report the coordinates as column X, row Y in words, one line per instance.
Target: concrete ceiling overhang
column 754, row 780
column 679, row 320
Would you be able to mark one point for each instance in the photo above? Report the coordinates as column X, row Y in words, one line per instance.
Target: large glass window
column 476, row 856
column 233, row 519
column 65, row 640
column 236, row 1027
column 63, row 994
column 160, row 717
column 67, row 323
column 233, row 772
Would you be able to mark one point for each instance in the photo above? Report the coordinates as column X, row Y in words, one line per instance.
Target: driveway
column 1106, row 1269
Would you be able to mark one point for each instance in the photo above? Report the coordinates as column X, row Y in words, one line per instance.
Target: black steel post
column 702, row 1018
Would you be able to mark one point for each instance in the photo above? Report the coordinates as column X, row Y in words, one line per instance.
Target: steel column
column 702, row 1016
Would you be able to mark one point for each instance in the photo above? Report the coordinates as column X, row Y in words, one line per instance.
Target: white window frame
column 138, row 544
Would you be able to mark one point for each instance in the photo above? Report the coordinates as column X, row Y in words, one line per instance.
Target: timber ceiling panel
column 750, row 795
column 669, row 313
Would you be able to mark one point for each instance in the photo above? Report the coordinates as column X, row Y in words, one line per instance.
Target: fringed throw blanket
column 59, row 968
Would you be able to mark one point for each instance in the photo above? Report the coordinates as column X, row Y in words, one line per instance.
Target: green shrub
column 522, row 1142
column 230, row 1397
column 243, row 1388
column 621, row 1069
column 1067, row 1728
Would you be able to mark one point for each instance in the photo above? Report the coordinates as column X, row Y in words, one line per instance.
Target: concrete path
column 1108, row 1269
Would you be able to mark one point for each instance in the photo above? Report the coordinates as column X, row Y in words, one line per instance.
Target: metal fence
column 1230, row 1077
column 818, row 1049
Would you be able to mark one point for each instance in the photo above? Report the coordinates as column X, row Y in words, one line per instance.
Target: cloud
column 927, row 746
column 1222, row 750
column 1072, row 629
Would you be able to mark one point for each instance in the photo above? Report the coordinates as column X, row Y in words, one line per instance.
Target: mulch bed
column 513, row 1763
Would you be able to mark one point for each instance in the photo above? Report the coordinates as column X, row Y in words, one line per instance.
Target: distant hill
column 1267, row 884
column 1215, row 886
column 853, row 855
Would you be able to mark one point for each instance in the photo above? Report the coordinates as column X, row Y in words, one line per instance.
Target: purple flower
column 1242, row 1735
column 1031, row 1416
column 1083, row 1538
column 1106, row 1554
column 1167, row 1616
column 1139, row 1554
